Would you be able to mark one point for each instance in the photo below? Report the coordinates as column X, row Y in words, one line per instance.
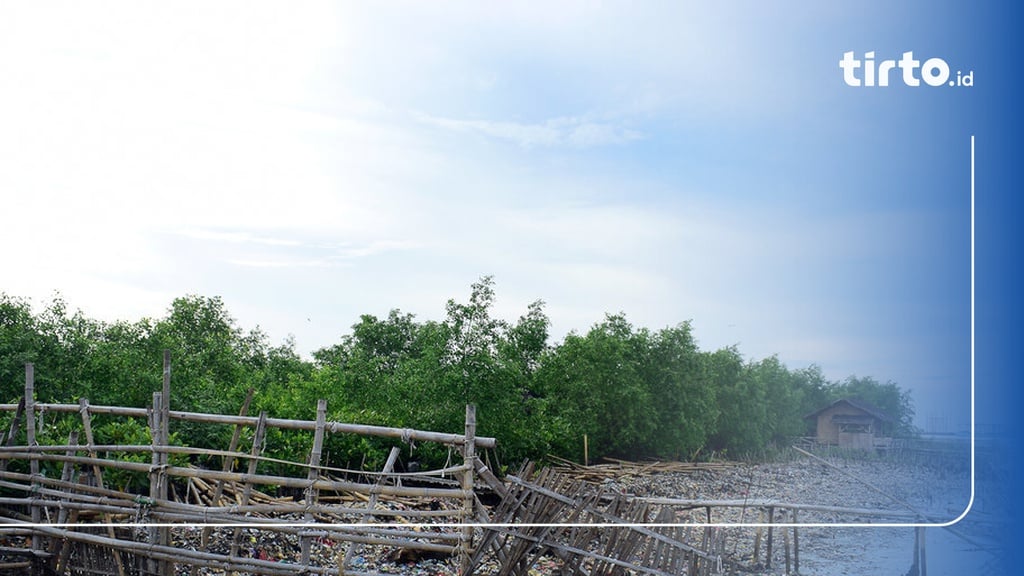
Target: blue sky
column 675, row 162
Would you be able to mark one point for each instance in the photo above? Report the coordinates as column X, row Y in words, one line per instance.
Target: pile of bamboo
column 592, row 533
column 616, row 469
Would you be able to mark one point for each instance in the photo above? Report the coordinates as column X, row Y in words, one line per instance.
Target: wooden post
column 468, row 457
column 768, row 546
column 312, row 494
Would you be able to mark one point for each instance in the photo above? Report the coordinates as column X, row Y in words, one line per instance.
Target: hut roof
column 862, row 405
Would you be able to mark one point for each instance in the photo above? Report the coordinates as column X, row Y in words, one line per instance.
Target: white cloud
column 573, row 132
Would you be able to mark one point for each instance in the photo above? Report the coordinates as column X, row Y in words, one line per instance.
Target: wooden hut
column 852, row 423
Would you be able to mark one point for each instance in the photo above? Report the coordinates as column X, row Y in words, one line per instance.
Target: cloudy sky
column 313, row 162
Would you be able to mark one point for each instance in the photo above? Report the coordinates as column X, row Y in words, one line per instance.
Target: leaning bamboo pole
column 353, row 548
column 83, row 409
column 257, row 446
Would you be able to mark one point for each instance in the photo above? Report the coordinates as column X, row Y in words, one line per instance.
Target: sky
column 313, row 162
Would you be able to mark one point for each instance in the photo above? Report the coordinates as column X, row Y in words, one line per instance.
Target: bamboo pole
column 468, row 457
column 167, row 553
column 154, row 536
column 257, row 446
column 482, row 442
column 920, row 564
column 192, row 514
column 599, row 514
column 687, row 503
column 586, row 451
column 164, row 533
column 796, row 543
column 30, row 440
column 83, row 409
column 12, row 431
column 229, row 461
column 389, row 465
column 758, row 532
column 58, row 547
column 263, row 479
column 227, row 465
column 785, row 545
column 313, row 474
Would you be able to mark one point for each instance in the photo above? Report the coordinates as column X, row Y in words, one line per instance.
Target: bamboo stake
column 314, row 462
column 155, row 428
column 164, row 534
column 920, row 565
column 796, row 544
column 757, row 537
column 586, row 451
column 30, row 434
column 785, row 545
column 468, row 457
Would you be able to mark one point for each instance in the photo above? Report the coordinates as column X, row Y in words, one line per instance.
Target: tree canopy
column 630, row 391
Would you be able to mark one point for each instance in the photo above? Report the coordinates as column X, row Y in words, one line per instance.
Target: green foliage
column 125, row 432
column 630, row 391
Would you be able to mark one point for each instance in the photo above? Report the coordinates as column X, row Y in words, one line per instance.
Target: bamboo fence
column 56, row 500
column 59, row 514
